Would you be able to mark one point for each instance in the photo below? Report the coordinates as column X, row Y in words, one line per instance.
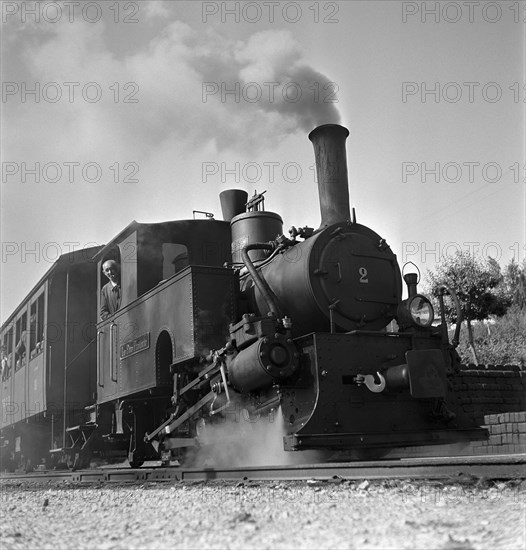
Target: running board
column 299, row 442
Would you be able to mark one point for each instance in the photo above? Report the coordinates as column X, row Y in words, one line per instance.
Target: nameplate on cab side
column 136, row 345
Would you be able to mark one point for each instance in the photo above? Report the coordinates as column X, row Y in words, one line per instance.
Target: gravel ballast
column 313, row 514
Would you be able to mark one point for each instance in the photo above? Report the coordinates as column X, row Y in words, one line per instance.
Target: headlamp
column 416, row 311
column 420, row 310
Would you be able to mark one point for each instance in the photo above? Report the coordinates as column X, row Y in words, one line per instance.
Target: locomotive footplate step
column 86, row 426
column 66, row 450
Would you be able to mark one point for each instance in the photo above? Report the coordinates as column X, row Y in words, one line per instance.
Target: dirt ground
column 312, row 514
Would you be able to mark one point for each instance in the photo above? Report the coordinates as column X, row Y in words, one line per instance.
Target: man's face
column 111, row 271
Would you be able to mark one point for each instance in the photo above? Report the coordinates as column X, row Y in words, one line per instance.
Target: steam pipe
column 258, row 279
column 331, row 168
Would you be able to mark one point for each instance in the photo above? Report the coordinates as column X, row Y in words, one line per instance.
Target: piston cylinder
column 257, row 366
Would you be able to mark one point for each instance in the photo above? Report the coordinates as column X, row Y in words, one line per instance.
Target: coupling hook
column 368, row 380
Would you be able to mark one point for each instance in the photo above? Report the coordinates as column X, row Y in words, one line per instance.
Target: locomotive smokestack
column 331, row 169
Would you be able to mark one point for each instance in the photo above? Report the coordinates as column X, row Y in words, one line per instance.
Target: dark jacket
column 110, row 300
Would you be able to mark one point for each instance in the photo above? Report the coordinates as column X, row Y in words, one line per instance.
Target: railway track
column 450, row 468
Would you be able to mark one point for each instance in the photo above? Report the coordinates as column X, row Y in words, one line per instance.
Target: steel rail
column 451, row 468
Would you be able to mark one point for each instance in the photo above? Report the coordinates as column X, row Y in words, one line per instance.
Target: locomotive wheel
column 135, row 460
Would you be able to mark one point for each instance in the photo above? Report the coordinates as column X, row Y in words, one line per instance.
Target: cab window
column 175, row 258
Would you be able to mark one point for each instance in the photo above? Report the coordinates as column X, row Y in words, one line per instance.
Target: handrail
column 81, row 352
column 100, row 373
column 113, row 352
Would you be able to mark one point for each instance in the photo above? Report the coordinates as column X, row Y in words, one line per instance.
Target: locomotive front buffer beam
column 344, row 397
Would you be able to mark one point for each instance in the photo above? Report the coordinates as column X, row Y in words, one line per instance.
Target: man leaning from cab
column 110, row 295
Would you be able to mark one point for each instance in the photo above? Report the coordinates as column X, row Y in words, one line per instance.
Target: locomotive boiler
column 217, row 316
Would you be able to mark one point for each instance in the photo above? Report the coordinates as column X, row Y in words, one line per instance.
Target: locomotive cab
column 151, row 256
column 151, row 253
column 168, row 314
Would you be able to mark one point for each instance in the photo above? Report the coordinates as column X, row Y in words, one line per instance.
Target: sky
column 146, row 110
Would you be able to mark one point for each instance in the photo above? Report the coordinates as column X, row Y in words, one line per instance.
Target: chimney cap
column 328, row 126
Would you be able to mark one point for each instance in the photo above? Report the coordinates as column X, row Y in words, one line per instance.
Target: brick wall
column 495, row 397
column 490, row 389
column 507, row 434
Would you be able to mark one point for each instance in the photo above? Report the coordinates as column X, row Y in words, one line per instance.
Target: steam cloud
column 171, row 74
column 235, row 441
column 272, row 56
column 242, row 95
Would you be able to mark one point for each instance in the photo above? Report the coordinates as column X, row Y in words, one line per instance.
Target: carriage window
column 36, row 320
column 40, row 322
column 21, row 342
column 7, row 354
column 33, row 328
column 175, row 258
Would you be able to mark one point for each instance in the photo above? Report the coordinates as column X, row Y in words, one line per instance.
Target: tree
column 475, row 282
column 514, row 283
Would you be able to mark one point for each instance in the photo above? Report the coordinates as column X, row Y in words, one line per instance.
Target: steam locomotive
column 221, row 314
